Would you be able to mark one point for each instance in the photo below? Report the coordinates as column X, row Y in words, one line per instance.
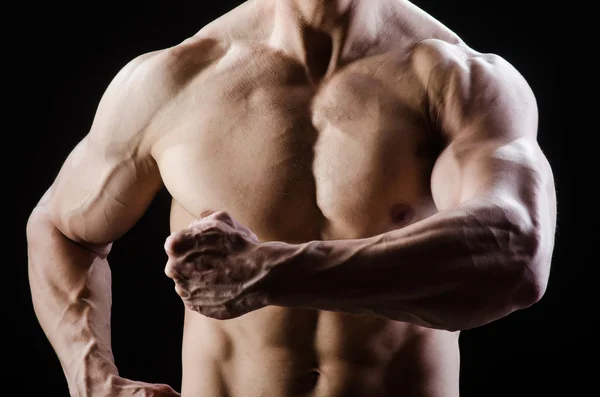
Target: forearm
column 71, row 294
column 456, row 270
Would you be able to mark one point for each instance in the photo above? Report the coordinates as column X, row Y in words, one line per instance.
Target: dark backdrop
column 74, row 51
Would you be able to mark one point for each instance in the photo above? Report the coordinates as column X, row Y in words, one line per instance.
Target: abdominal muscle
column 285, row 352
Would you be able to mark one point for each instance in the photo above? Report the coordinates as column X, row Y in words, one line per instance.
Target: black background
column 71, row 54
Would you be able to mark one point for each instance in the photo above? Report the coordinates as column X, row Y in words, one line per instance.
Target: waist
column 295, row 352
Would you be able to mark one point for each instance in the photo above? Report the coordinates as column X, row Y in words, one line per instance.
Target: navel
column 401, row 213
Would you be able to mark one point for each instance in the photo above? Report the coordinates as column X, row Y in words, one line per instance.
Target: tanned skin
column 352, row 186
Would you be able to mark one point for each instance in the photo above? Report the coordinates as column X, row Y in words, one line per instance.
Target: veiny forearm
column 459, row 269
column 71, row 293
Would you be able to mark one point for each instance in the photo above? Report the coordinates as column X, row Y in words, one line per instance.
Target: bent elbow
column 533, row 292
column 534, row 270
column 526, row 254
column 534, row 284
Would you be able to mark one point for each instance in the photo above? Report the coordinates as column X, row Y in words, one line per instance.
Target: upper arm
column 110, row 178
column 488, row 116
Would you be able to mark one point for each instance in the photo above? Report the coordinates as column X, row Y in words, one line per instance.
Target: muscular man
column 352, row 186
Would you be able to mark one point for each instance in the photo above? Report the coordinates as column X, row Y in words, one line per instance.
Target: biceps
column 515, row 173
column 99, row 195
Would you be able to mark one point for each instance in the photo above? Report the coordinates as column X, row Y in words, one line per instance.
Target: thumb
column 166, row 391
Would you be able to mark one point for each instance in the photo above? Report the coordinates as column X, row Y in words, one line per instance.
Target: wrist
column 295, row 264
column 94, row 377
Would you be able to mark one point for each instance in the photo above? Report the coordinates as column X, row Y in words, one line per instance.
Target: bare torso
column 347, row 156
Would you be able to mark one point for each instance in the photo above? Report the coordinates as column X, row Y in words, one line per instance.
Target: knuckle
column 224, row 217
column 205, row 225
column 237, row 241
column 178, row 243
column 182, row 292
column 172, row 270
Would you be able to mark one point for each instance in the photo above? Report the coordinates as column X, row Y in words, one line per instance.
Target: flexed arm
column 487, row 252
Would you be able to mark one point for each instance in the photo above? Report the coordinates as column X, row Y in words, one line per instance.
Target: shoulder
column 172, row 67
column 157, row 76
column 143, row 88
column 464, row 86
column 439, row 58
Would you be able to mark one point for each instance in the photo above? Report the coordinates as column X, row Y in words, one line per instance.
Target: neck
column 323, row 15
column 317, row 30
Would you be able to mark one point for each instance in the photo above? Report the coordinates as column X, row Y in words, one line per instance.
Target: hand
column 122, row 387
column 220, row 268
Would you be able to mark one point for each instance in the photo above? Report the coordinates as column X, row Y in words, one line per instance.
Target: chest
column 295, row 161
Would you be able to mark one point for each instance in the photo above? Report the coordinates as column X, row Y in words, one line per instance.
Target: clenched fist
column 220, row 268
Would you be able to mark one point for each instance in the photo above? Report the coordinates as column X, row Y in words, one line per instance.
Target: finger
column 216, row 312
column 204, row 225
column 206, row 298
column 166, row 390
column 252, row 237
column 217, row 216
column 222, row 313
column 249, row 302
column 181, row 291
column 213, row 239
column 244, row 230
column 197, row 265
column 171, row 270
column 178, row 243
